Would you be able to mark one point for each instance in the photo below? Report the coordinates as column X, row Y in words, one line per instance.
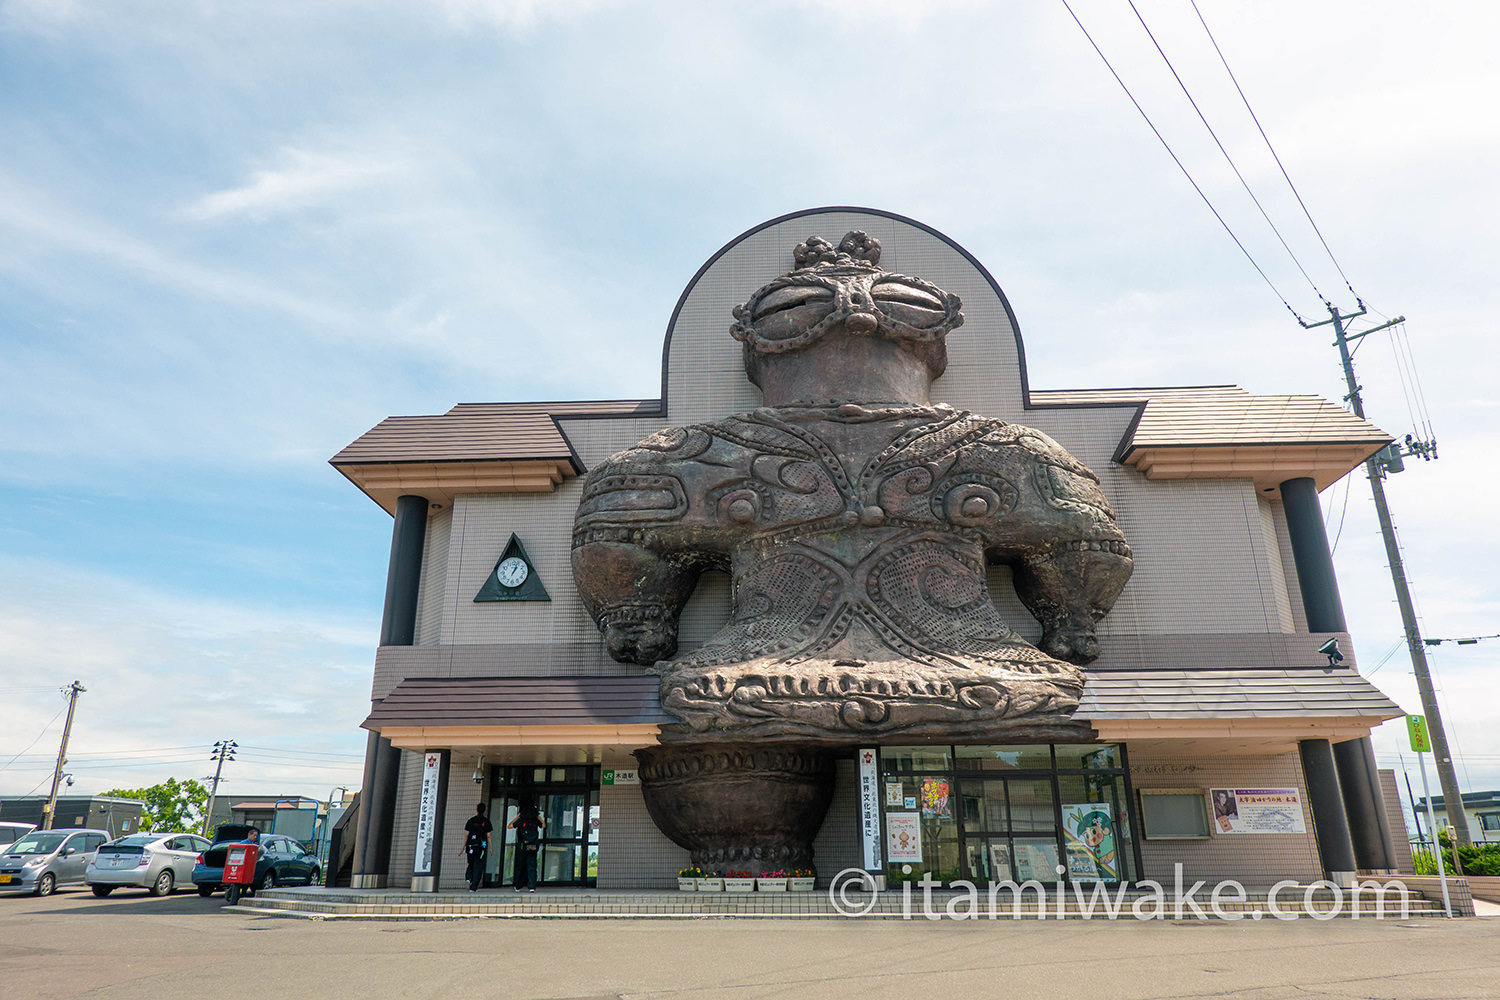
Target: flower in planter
column 803, row 873
column 779, row 873
column 738, row 874
column 693, row 872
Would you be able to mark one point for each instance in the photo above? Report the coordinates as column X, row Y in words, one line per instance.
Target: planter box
column 739, row 885
column 687, row 885
column 801, row 884
column 770, row 884
column 710, row 885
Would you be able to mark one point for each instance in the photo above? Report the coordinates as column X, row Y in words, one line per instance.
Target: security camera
column 479, row 777
column 1330, row 649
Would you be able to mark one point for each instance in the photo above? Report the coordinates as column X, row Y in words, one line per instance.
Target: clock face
column 512, row 572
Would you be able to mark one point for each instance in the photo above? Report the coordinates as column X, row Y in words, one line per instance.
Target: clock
column 514, row 578
column 512, row 572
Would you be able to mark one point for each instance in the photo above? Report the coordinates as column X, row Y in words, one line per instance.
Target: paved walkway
column 133, row 947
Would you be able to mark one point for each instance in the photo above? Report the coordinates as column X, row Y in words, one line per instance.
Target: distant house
column 295, row 816
column 97, row 812
column 1481, row 811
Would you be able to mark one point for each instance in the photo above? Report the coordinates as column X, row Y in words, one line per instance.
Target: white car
column 159, row 862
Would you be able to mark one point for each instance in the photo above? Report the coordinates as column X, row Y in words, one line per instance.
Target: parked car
column 12, row 832
column 42, row 860
column 159, row 862
column 282, row 861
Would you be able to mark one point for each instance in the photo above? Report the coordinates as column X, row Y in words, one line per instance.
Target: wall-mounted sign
column 514, row 577
column 903, row 835
column 620, row 776
column 869, row 809
column 1257, row 810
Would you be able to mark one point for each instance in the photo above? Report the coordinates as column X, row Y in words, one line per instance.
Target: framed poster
column 903, row 834
column 1089, row 838
column 935, row 798
column 893, row 795
column 1257, row 810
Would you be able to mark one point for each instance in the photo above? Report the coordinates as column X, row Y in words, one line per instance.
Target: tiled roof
column 521, row 701
column 1225, row 415
column 480, row 432
column 1218, row 694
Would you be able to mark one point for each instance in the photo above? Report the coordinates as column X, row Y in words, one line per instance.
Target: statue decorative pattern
column 856, row 534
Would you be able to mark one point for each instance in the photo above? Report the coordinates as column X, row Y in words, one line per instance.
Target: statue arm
column 640, row 542
column 1069, row 558
column 635, row 596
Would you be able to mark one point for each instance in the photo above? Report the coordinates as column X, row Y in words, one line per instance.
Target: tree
column 171, row 805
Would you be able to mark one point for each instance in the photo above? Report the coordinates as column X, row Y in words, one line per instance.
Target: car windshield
column 139, row 840
column 36, row 843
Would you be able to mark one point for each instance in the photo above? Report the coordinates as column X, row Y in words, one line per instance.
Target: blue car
column 282, row 861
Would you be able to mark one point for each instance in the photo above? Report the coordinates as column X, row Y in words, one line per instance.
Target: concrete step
column 581, row 904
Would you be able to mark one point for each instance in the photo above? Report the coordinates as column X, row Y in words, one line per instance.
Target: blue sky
column 234, row 236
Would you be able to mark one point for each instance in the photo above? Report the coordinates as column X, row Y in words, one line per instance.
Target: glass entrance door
column 568, row 799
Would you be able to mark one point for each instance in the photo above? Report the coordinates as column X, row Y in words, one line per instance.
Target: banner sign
column 1257, row 810
column 869, row 809
column 903, row 835
column 427, row 811
column 1416, row 729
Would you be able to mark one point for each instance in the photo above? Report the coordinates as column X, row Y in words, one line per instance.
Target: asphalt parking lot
column 183, row 946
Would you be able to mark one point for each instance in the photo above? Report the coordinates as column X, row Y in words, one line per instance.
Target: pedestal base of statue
column 739, row 806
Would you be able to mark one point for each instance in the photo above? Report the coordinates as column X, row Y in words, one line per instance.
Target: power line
column 1167, row 146
column 34, row 742
column 1272, row 148
column 1227, row 158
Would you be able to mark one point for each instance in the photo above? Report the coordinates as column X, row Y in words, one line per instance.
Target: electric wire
column 1180, row 166
column 1227, row 158
column 1272, row 149
column 1395, row 647
column 35, row 741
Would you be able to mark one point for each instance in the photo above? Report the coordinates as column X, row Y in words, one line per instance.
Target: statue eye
column 908, row 304
column 790, row 298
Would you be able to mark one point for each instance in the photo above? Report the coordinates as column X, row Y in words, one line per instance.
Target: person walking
column 528, row 825
column 477, row 833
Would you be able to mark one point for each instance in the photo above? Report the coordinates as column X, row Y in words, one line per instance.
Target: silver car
column 159, row 862
column 42, row 860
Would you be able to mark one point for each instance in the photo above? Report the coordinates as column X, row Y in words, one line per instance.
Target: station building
column 1230, row 722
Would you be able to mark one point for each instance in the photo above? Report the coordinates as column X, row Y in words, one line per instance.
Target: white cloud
column 306, row 178
column 176, row 670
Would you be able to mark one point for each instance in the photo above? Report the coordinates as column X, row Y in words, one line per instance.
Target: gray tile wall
column 1254, row 859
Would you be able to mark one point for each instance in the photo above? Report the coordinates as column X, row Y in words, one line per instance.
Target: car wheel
column 103, row 890
column 46, row 885
column 206, row 890
column 316, row 878
column 164, row 884
column 268, row 881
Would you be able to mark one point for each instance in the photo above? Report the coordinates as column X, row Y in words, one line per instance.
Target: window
column 1488, row 821
column 1174, row 813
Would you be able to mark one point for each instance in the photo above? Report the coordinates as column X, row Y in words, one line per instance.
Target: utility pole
column 72, row 691
column 223, row 750
column 1374, row 467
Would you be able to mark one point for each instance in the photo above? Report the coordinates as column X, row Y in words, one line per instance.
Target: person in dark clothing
column 477, row 845
column 528, row 825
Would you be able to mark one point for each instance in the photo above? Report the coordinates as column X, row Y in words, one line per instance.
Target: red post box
column 239, row 869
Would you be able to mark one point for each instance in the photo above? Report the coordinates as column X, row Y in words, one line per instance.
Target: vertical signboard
column 428, row 859
column 869, row 808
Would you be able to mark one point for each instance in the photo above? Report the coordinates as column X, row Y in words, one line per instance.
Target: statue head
column 838, row 306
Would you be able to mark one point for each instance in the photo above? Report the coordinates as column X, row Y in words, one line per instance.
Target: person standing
column 477, row 833
column 528, row 825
